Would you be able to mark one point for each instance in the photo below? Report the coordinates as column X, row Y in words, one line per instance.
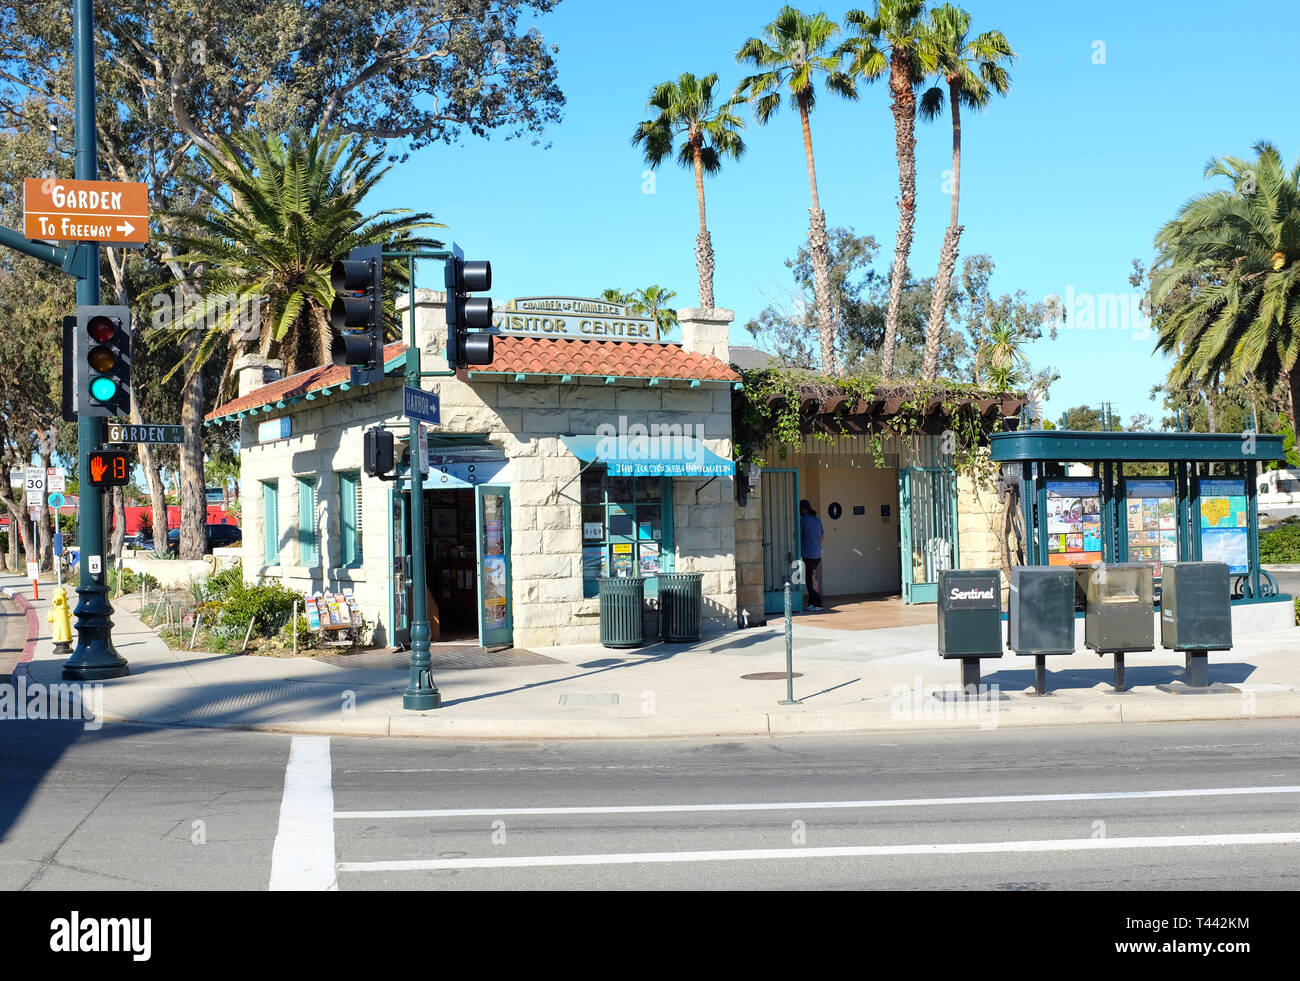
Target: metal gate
column 779, row 492
column 928, row 501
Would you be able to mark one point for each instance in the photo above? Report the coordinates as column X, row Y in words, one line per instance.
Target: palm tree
column 999, row 363
column 897, row 40
column 972, row 70
column 281, row 211
column 1236, row 253
column 686, row 109
column 653, row 301
column 789, row 56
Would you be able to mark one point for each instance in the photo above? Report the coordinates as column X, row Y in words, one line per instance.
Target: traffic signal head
column 101, row 361
column 378, row 452
column 108, row 468
column 357, row 313
column 465, row 312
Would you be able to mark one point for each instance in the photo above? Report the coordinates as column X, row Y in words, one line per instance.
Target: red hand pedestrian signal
column 108, row 468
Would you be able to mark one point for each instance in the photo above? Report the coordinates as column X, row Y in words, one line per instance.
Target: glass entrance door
column 496, row 620
column 400, row 596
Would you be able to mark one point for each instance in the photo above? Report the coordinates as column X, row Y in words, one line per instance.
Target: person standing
column 811, row 551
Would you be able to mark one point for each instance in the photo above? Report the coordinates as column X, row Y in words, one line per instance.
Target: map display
column 1149, row 510
column 1073, row 522
column 1223, row 523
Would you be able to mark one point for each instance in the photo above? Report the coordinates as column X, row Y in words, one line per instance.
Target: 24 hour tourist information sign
column 85, row 211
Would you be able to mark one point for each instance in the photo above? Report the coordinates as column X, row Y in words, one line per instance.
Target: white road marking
column 303, row 857
column 850, row 851
column 815, row 805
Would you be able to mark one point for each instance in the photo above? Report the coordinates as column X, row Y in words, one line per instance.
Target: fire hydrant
column 60, row 617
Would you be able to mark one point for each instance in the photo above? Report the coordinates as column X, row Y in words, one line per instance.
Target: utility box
column 1120, row 613
column 1040, row 610
column 970, row 613
column 1195, row 610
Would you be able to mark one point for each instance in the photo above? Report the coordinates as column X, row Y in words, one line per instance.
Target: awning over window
column 667, row 455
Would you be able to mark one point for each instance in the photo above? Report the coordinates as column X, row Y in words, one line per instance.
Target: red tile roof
column 574, row 356
column 523, row 355
column 312, row 380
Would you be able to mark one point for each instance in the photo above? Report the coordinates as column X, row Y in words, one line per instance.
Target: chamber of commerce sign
column 568, row 316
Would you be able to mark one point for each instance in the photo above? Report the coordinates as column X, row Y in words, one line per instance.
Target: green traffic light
column 103, row 389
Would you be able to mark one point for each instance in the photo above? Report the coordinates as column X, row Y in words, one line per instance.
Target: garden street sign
column 145, row 433
column 85, row 211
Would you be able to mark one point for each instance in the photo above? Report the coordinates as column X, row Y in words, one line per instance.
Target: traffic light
column 378, row 452
column 108, row 468
column 358, row 313
column 463, row 312
column 101, row 361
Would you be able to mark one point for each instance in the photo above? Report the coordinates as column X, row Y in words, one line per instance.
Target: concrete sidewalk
column 888, row 679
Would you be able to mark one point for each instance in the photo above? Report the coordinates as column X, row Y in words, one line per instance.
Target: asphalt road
column 137, row 808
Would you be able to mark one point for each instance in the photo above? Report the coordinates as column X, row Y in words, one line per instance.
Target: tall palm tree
column 895, row 39
column 686, row 108
column 281, row 211
column 1239, row 252
column 972, row 69
column 789, row 57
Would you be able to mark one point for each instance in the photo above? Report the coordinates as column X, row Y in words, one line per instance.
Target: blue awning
column 666, row 455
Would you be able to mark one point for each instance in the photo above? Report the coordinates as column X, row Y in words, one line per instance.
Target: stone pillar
column 707, row 331
column 430, row 326
column 252, row 371
column 749, row 555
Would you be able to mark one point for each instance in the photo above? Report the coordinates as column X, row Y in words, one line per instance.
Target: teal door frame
column 399, row 556
column 499, row 633
column 781, row 523
column 941, row 515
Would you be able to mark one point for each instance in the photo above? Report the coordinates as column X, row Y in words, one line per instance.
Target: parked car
column 216, row 536
column 140, row 541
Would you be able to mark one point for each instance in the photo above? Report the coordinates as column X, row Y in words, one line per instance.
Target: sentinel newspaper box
column 970, row 613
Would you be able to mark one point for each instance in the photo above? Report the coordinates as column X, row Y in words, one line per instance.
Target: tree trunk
column 819, row 250
column 153, row 479
column 703, row 243
column 947, row 254
column 904, row 109
column 14, row 519
column 44, row 534
column 192, row 489
column 118, row 534
column 1294, row 379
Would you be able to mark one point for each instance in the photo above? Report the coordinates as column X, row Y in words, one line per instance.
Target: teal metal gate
column 927, row 499
column 779, row 492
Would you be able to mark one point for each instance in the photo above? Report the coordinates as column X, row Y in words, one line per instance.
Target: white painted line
column 816, row 805
column 848, row 851
column 303, row 857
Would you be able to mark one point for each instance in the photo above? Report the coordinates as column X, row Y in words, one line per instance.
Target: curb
column 33, row 629
column 1196, row 708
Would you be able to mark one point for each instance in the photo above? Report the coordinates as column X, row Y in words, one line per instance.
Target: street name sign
column 421, row 405
column 85, row 211
column 145, row 433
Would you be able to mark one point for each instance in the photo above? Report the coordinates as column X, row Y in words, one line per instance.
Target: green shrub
column 1281, row 545
column 271, row 604
column 221, row 583
column 132, row 582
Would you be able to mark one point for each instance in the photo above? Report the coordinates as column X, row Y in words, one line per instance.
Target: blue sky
column 1064, row 182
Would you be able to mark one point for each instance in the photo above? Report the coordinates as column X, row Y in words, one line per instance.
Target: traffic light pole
column 95, row 657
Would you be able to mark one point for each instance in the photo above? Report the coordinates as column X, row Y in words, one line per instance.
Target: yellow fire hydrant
column 60, row 618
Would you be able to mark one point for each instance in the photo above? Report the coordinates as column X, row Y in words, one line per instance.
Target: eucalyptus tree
column 789, row 58
column 895, row 40
column 972, row 70
column 709, row 132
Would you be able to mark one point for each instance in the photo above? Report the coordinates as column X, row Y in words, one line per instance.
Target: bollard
column 789, row 650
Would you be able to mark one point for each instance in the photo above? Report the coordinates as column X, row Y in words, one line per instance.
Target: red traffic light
column 101, row 329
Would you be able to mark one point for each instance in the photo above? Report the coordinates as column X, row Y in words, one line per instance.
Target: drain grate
column 603, row 698
column 769, row 676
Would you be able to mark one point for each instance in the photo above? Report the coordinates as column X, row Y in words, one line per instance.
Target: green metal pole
column 422, row 694
column 94, row 658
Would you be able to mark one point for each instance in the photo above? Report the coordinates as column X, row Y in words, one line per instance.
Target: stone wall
column 979, row 524
column 749, row 557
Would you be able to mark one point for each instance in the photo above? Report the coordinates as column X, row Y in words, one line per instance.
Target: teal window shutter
column 271, row 520
column 350, row 518
column 308, row 554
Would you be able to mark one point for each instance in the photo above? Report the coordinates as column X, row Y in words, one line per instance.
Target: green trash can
column 681, row 606
column 620, row 612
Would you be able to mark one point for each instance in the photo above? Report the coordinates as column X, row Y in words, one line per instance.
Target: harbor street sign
column 570, row 316
column 85, row 211
column 421, row 405
column 145, row 433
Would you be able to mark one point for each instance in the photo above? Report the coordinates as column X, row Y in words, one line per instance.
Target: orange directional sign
column 85, row 211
